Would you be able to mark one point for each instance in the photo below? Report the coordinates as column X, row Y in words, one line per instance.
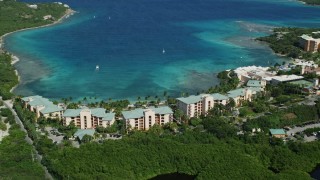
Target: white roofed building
column 253, row 72
column 285, row 78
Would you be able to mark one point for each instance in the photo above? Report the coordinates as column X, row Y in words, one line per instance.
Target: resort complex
column 88, row 118
column 42, row 107
column 144, row 119
column 115, row 104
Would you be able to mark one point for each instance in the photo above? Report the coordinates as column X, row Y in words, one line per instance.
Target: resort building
column 277, row 133
column 253, row 72
column 88, row 118
column 42, row 107
column 309, row 43
column 257, row 84
column 220, row 99
column 193, row 106
column 144, row 119
column 241, row 94
column 82, row 132
column 285, row 78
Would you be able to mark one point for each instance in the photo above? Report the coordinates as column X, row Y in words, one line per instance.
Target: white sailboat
column 163, row 51
column 97, row 67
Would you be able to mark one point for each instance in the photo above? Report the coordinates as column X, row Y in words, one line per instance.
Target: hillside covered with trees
column 285, row 41
column 17, row 15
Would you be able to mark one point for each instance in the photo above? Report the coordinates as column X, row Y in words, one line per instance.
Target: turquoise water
column 200, row 38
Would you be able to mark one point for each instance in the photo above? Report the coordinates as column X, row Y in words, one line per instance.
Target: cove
column 148, row 47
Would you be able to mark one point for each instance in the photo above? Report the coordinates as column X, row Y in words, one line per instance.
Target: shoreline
column 15, row 59
column 68, row 13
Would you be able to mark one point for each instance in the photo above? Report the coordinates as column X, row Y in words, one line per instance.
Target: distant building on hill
column 33, row 6
column 88, row 118
column 144, row 119
column 309, row 43
column 42, row 107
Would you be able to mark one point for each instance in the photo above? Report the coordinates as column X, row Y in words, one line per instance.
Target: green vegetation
column 8, row 77
column 312, row 2
column 209, row 150
column 228, row 81
column 285, row 41
column 17, row 15
column 16, row 155
column 3, row 126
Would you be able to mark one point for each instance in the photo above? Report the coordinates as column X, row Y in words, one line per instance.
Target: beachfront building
column 42, row 107
column 309, row 43
column 194, row 106
column 88, row 118
column 245, row 74
column 242, row 94
column 144, row 119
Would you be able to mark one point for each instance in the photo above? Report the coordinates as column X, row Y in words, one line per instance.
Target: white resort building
column 144, row 119
column 253, row 72
column 88, row 118
column 42, row 107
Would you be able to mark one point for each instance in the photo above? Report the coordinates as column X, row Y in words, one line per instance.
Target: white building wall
column 207, row 103
column 149, row 119
column 85, row 119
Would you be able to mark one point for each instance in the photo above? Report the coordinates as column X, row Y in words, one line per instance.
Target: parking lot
column 54, row 135
column 296, row 131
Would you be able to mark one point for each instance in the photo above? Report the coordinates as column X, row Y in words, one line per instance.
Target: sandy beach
column 16, row 59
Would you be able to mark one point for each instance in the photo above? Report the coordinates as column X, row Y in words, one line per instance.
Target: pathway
column 9, row 105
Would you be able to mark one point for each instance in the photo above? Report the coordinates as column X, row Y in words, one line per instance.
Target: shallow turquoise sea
column 127, row 38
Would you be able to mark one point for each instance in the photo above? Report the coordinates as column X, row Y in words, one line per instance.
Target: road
column 299, row 129
column 9, row 105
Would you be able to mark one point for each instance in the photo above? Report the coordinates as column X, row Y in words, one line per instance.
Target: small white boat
column 163, row 51
column 97, row 67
